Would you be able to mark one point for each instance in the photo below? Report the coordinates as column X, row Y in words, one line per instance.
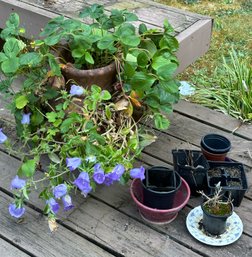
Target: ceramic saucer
column 232, row 233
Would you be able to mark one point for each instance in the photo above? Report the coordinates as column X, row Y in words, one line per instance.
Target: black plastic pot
column 191, row 166
column 215, row 147
column 232, row 177
column 160, row 187
column 215, row 224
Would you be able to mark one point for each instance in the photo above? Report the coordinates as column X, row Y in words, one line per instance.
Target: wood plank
column 214, row 118
column 8, row 250
column 192, row 131
column 34, row 236
column 118, row 196
column 107, row 226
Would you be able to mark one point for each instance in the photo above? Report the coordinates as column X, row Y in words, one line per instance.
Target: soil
column 233, row 172
column 220, row 209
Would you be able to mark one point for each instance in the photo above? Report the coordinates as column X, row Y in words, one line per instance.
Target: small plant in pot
column 88, row 133
column 141, row 60
column 192, row 166
column 216, row 211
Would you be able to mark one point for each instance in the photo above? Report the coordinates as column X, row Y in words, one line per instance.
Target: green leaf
column 57, row 123
column 129, row 70
column 51, row 116
column 54, row 65
column 10, row 65
column 89, row 58
column 13, row 46
column 142, row 28
column 149, row 45
column 142, row 81
column 161, row 122
column 108, row 113
column 143, row 59
column 36, row 118
column 28, row 168
column 53, row 40
column 54, row 157
column 66, row 125
column 166, row 72
column 13, row 20
column 3, row 57
column 105, row 95
column 25, row 193
column 130, row 40
column 78, row 52
column 106, row 42
column 21, row 101
column 169, row 42
column 31, row 59
column 159, row 61
column 51, row 93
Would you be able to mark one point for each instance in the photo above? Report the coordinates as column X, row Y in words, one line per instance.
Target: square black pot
column 192, row 166
column 232, row 177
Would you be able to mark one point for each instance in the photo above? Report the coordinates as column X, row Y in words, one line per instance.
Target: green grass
column 230, row 91
column 232, row 29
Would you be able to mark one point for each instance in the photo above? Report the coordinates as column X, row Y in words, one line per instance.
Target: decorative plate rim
column 233, row 232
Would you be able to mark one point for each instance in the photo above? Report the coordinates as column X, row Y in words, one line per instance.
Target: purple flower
column 117, row 172
column 108, row 179
column 16, row 212
column 54, row 206
column 98, row 175
column 17, row 183
column 73, row 163
column 3, row 137
column 26, row 118
column 60, row 190
column 83, row 183
column 86, row 190
column 138, row 173
column 67, row 202
column 76, row 90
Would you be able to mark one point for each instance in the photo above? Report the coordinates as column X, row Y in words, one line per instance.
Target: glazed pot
column 160, row 187
column 216, row 224
column 157, row 216
column 215, row 147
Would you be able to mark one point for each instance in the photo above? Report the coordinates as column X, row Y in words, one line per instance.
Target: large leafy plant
column 90, row 134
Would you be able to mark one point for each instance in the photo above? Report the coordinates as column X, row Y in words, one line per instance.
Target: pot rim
column 212, row 150
column 176, row 209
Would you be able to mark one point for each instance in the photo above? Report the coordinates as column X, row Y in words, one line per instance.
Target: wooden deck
column 107, row 223
column 193, row 30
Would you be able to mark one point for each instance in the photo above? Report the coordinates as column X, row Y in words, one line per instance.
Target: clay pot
column 103, row 77
column 215, row 147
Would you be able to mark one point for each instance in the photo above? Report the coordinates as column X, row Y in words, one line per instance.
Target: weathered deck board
column 193, row 30
column 8, row 250
column 106, row 225
column 214, row 118
column 34, row 236
column 99, row 221
column 118, row 196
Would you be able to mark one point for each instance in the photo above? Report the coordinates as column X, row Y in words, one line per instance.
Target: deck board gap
column 16, row 245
